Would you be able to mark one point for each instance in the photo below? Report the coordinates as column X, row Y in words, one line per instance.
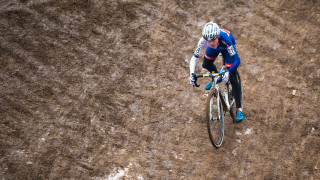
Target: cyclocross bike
column 218, row 103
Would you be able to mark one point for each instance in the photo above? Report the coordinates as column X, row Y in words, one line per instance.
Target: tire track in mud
column 99, row 90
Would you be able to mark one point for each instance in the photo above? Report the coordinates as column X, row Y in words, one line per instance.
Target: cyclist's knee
column 206, row 66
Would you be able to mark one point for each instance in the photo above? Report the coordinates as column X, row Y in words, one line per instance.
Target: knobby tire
column 214, row 117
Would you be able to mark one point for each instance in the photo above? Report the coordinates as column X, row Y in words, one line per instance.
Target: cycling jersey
column 226, row 46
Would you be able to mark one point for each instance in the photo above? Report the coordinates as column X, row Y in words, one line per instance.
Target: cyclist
column 218, row 41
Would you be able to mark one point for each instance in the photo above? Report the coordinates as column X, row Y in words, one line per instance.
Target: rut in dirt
column 99, row 90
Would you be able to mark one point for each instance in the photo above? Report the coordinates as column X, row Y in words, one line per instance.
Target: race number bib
column 231, row 50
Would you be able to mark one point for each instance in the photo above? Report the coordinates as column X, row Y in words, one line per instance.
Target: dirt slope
column 99, row 90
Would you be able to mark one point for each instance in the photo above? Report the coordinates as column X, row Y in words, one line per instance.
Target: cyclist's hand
column 192, row 79
column 225, row 78
column 217, row 79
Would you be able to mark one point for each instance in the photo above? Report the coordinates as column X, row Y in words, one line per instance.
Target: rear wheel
column 214, row 116
column 232, row 100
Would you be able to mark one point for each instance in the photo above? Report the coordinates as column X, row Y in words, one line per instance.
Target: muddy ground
column 94, row 89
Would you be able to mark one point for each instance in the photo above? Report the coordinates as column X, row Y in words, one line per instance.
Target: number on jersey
column 231, row 50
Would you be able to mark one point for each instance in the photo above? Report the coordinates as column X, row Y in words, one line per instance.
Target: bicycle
column 218, row 104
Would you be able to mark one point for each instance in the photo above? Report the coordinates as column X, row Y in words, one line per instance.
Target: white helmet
column 210, row 31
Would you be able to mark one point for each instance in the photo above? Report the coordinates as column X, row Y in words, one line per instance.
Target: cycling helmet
column 210, row 31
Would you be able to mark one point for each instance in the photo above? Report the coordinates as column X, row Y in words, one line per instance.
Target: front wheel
column 214, row 116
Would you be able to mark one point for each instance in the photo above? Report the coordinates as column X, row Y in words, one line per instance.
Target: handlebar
column 212, row 75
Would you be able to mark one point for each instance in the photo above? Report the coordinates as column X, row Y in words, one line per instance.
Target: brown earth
column 94, row 89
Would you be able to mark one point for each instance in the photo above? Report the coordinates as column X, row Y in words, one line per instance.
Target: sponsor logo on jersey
column 198, row 50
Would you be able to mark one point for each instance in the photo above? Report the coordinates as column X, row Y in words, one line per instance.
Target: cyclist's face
column 213, row 43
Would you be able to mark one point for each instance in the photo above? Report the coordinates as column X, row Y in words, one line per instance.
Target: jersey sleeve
column 231, row 48
column 235, row 64
column 201, row 44
column 192, row 64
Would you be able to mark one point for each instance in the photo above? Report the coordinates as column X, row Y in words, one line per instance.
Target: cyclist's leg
column 236, row 86
column 209, row 58
column 236, row 90
column 208, row 63
column 210, row 66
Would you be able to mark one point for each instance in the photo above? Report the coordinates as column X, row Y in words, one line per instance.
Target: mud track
column 99, row 90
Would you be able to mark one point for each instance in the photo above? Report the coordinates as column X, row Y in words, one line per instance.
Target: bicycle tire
column 232, row 100
column 214, row 117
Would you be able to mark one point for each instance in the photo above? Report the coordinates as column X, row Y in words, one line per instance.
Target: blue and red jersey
column 226, row 46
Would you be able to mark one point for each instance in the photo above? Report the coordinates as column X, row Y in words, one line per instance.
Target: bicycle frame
column 225, row 96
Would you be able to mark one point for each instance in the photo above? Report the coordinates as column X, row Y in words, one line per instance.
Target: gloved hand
column 217, row 79
column 192, row 79
column 226, row 77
